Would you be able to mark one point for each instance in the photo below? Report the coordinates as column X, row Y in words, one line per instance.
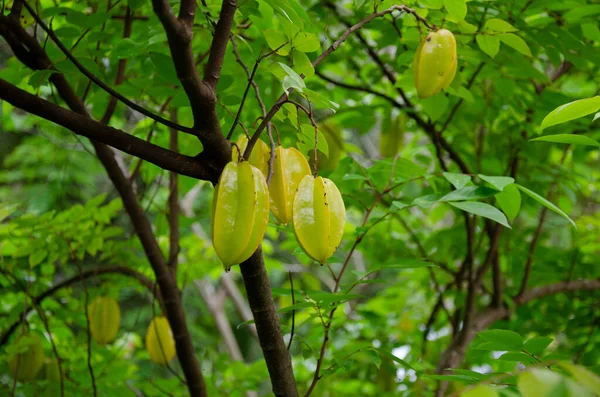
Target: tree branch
column 428, row 128
column 275, row 108
column 461, row 100
column 365, row 89
column 219, row 43
column 120, row 77
column 99, row 82
column 173, row 214
column 565, row 286
column 109, row 270
column 143, row 229
column 164, row 278
column 538, row 230
column 84, row 126
column 202, row 96
column 187, row 12
column 277, row 357
column 454, row 354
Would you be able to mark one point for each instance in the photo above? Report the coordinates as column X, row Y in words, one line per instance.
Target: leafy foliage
column 475, row 195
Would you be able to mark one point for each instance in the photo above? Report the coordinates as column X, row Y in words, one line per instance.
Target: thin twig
column 293, row 310
column 461, row 100
column 538, row 230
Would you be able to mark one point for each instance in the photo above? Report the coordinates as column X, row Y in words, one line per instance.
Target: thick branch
column 277, row 357
column 201, row 95
column 187, row 11
column 122, row 270
column 167, row 283
column 84, row 126
column 219, row 43
column 565, row 286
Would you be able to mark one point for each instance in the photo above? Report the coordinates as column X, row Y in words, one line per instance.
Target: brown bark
column 277, row 357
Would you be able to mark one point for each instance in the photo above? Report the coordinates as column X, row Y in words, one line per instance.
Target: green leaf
column 435, row 106
column 580, row 12
column 396, row 359
column 398, row 205
column 457, row 9
column 488, row 44
column 537, row 344
column 358, row 3
column 292, row 80
column 297, row 306
column 325, row 298
column 571, row 111
column 469, row 193
column 498, row 25
column 302, row 64
column 306, row 140
column 516, row 42
column 306, row 42
column 465, row 94
column 295, row 15
column 545, row 203
column 277, row 39
column 503, row 339
column 457, row 180
column 37, row 257
column 354, row 177
column 428, row 200
column 480, row 391
column 568, row 138
column 164, row 67
column 509, row 201
column 126, row 48
column 320, row 100
column 453, row 378
column 409, row 264
column 583, row 376
column 135, row 4
column 374, row 355
column 473, row 374
column 482, row 209
column 539, row 382
column 518, row 357
column 6, row 210
column 591, row 31
column 499, row 182
column 433, row 4
column 87, row 21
